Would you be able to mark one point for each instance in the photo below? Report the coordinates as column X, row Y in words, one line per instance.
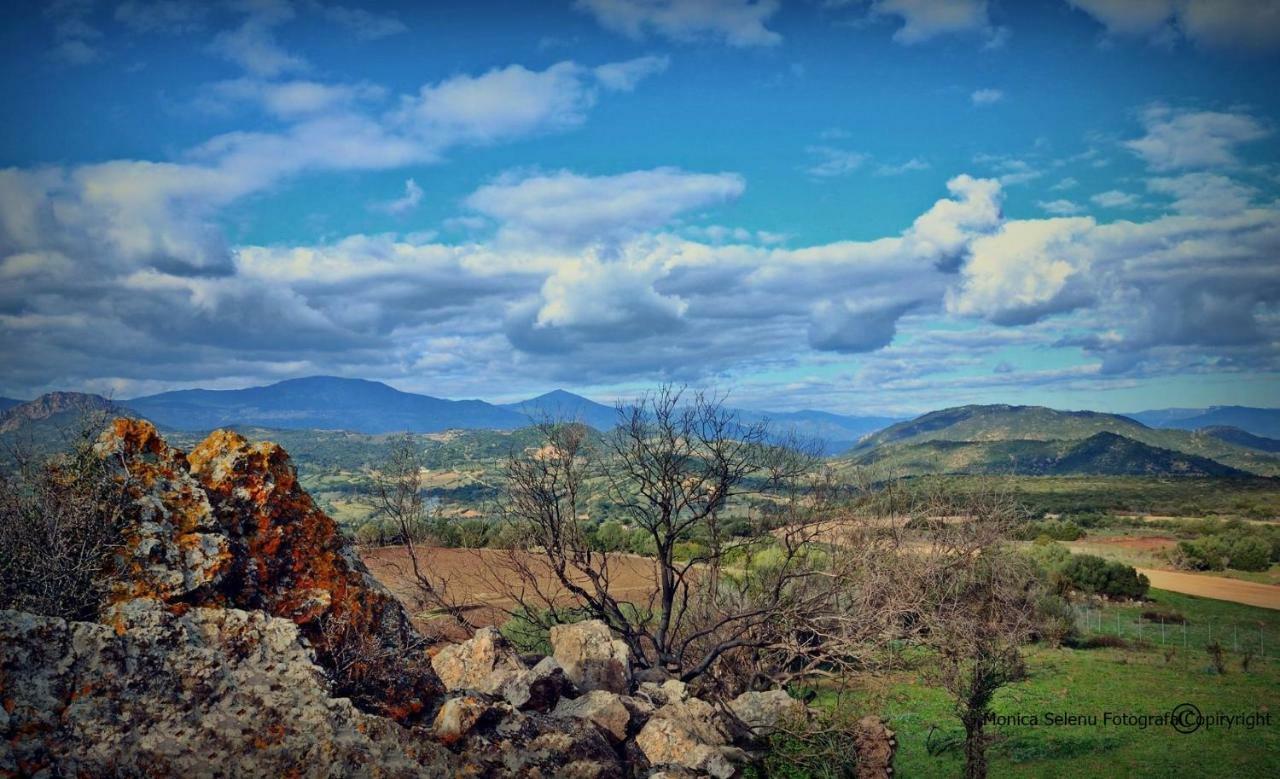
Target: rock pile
column 233, row 641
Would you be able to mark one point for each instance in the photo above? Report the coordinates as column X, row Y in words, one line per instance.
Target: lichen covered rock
column 212, row 691
column 229, row 525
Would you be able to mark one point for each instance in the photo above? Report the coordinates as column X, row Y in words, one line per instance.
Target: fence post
column 1161, row 631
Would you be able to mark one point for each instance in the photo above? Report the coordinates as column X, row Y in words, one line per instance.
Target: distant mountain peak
column 53, row 403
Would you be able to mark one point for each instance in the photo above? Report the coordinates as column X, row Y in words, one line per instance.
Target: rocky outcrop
column 229, row 525
column 204, row 692
column 243, row 637
column 591, row 657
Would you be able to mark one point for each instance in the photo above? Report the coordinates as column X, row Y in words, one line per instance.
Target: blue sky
column 879, row 206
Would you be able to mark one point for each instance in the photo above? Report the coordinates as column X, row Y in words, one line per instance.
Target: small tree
column 398, row 496
column 979, row 606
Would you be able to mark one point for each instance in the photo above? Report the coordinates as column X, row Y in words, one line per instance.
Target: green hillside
column 1100, row 454
column 1034, row 439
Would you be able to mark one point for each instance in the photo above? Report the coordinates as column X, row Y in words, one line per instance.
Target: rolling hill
column 1101, row 454
column 322, row 402
column 985, row 439
column 1257, row 421
column 1238, row 437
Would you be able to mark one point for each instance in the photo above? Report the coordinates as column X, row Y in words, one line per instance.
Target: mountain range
column 966, row 439
column 1258, row 421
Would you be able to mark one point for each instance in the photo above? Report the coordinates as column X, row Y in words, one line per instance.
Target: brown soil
column 483, row 580
column 1136, row 543
column 1249, row 593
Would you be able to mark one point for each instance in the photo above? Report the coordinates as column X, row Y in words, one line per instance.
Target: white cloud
column 832, row 162
column 1023, row 271
column 1065, row 184
column 1114, row 198
column 982, row 97
column 923, row 20
column 624, row 76
column 1060, row 207
column 501, row 103
column 736, row 22
column 1193, row 139
column 1232, row 24
column 1206, row 194
column 568, row 208
column 406, row 203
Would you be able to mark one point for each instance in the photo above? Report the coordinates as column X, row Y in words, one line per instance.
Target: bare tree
column 398, row 495
column 780, row 599
column 978, row 601
column 60, row 526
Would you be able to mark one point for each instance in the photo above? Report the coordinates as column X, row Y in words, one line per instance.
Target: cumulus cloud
column 1024, row 271
column 568, row 208
column 736, row 22
column 1193, row 139
column 513, row 101
column 1235, row 24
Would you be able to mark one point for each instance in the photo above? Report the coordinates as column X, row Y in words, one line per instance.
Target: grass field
column 1138, row 680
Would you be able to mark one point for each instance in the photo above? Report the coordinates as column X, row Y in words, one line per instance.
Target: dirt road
column 1249, row 593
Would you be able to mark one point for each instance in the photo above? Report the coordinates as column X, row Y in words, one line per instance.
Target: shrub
column 1056, row 620
column 1167, row 616
column 1217, row 656
column 1092, row 574
column 1055, row 529
column 1048, row 555
column 1238, row 549
column 611, row 537
column 60, row 526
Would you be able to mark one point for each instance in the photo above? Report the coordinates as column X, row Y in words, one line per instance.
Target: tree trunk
column 975, row 745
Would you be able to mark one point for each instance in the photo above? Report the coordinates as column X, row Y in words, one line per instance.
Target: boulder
column 485, row 662
column 605, row 709
column 591, row 657
column 670, row 691
column 690, row 734
column 762, row 711
column 163, row 694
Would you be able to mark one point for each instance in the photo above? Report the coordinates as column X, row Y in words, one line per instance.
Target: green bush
column 1238, row 549
column 1092, row 574
column 1056, row 529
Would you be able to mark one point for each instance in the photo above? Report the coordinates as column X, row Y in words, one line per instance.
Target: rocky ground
column 244, row 637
